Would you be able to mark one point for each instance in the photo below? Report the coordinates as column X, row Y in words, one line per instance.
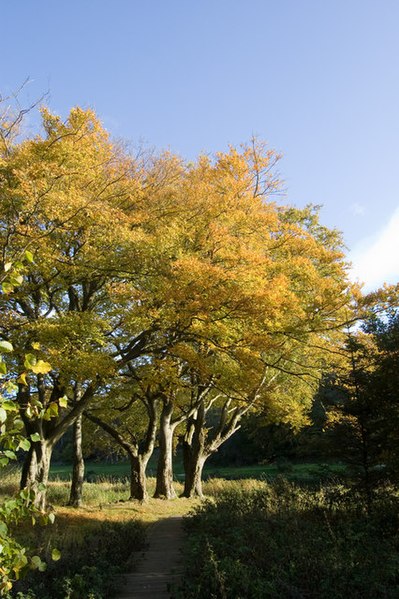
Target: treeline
column 162, row 300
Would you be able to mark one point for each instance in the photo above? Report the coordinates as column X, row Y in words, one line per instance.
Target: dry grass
column 107, row 500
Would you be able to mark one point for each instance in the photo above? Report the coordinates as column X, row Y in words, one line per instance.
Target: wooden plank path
column 160, row 568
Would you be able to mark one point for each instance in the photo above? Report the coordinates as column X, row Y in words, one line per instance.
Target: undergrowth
column 283, row 541
column 89, row 563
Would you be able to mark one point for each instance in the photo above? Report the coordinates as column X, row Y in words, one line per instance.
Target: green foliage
column 87, row 566
column 15, row 559
column 284, row 541
column 362, row 406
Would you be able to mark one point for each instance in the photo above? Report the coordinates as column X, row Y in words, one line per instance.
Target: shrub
column 286, row 541
column 88, row 566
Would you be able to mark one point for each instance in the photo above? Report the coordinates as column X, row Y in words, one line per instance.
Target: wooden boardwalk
column 160, row 568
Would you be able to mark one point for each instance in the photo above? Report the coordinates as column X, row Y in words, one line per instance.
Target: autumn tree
column 61, row 197
column 158, row 262
column 236, row 277
column 128, row 413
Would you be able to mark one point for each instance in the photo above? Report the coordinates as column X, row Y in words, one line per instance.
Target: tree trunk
column 37, row 464
column 194, row 455
column 35, row 476
column 198, row 444
column 29, row 468
column 138, row 481
column 164, row 486
column 78, row 472
column 193, row 468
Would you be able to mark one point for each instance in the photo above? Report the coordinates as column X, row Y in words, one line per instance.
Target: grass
column 253, row 538
column 97, row 541
column 301, row 472
column 82, row 534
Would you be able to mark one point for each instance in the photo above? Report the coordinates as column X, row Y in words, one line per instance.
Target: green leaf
column 30, row 361
column 24, row 444
column 35, row 437
column 55, row 555
column 63, row 402
column 18, row 424
column 10, row 454
column 16, row 280
column 9, row 406
column 51, row 411
column 7, row 287
column 51, row 517
column 3, row 529
column 37, row 563
column 29, row 256
column 41, row 367
column 3, row 368
column 7, row 266
column 6, row 346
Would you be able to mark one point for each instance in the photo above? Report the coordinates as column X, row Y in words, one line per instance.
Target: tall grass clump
column 284, row 541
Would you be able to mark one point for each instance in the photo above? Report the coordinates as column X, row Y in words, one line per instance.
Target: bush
column 283, row 541
column 88, row 566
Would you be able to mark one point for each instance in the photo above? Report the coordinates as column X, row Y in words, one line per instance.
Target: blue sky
column 317, row 79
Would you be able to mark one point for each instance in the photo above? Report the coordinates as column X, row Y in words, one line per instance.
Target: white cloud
column 376, row 260
column 357, row 209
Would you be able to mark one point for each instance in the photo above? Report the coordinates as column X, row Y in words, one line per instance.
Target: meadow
column 306, row 472
column 251, row 538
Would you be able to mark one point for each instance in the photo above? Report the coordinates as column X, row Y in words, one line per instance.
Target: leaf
column 10, row 454
column 16, row 280
column 36, row 345
column 22, row 379
column 41, row 367
column 24, row 444
column 7, row 287
column 55, row 554
column 3, row 415
column 3, row 529
column 30, row 361
column 29, row 256
column 3, row 368
column 37, row 563
column 6, row 346
column 51, row 517
column 18, row 424
column 63, row 402
column 51, row 411
column 9, row 406
column 7, row 266
column 35, row 437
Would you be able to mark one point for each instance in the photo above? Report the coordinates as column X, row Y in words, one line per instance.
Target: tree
column 15, row 558
column 364, row 417
column 129, row 415
column 61, row 194
column 155, row 262
column 237, row 278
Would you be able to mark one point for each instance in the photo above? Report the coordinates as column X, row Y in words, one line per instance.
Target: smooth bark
column 78, row 472
column 164, row 486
